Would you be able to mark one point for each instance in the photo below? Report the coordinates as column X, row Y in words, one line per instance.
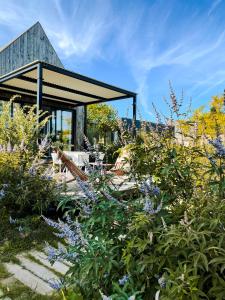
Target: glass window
column 67, row 129
column 61, row 127
column 1, row 106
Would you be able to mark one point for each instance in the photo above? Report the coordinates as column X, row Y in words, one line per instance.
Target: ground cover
column 23, row 236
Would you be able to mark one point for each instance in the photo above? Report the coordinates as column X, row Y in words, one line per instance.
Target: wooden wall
column 30, row 46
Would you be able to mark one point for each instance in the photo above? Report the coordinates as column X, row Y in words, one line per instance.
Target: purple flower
column 149, row 207
column 32, row 171
column 112, row 199
column 59, row 254
column 149, row 189
column 44, row 144
column 95, row 154
column 219, row 147
column 162, row 282
column 46, row 177
column 51, row 252
column 12, row 221
column 123, row 280
column 87, row 209
column 70, row 231
column 2, row 193
column 55, row 284
column 155, row 190
column 212, row 161
column 20, row 228
column 87, row 190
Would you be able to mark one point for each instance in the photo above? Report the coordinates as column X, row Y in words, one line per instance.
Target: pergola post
column 39, row 88
column 85, row 120
column 11, row 110
column 134, row 115
column 85, row 126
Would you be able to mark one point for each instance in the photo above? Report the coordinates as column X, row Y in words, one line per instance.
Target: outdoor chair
column 58, row 164
column 121, row 166
column 77, row 172
column 101, row 158
column 71, row 166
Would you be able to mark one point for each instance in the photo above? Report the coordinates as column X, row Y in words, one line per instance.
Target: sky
column 139, row 45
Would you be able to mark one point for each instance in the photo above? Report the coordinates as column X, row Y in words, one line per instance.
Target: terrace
column 53, row 88
column 137, row 217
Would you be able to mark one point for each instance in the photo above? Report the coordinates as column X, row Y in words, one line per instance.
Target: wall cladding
column 30, row 46
column 80, row 127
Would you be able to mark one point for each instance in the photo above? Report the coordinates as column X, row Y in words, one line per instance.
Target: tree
column 211, row 122
column 102, row 120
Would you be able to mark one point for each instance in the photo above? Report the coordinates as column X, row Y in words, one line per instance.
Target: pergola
column 48, row 82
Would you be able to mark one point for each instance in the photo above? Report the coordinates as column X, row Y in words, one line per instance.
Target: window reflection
column 59, row 126
column 62, row 127
column 1, row 106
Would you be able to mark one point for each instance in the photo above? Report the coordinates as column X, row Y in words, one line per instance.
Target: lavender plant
column 217, row 166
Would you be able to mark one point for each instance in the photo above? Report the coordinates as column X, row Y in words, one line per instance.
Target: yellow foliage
column 210, row 123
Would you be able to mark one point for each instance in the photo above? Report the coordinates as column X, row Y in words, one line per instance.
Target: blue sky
column 139, row 45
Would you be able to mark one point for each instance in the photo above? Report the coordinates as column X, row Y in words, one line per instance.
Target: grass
column 17, row 291
column 34, row 234
column 3, row 273
column 12, row 242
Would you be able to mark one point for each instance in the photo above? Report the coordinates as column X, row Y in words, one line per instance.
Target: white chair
column 57, row 162
column 101, row 157
column 82, row 159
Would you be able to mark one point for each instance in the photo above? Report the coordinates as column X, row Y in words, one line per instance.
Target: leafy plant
column 167, row 241
column 25, row 183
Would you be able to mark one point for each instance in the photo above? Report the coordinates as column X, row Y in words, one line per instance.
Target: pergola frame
column 40, row 83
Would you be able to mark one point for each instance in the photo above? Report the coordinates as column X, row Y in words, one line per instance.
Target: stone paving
column 34, row 271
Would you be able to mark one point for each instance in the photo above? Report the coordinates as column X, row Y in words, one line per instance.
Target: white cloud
column 188, row 41
column 215, row 4
column 195, row 46
column 83, row 31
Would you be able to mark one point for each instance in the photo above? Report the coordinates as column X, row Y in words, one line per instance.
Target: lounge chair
column 71, row 166
column 121, row 166
column 77, row 172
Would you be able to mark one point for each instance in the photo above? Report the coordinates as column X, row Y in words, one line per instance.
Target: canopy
column 53, row 83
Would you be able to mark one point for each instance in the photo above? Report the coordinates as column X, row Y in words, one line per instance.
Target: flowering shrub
column 141, row 249
column 167, row 242
column 25, row 184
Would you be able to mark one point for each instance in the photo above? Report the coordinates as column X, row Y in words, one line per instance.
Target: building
column 31, row 68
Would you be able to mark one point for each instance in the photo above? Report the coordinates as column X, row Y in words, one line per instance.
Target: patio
column 48, row 85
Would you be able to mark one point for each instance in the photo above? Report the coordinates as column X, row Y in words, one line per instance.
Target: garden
column 164, row 239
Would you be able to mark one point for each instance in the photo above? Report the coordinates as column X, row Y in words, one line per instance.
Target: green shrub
column 25, row 184
column 165, row 243
column 148, row 247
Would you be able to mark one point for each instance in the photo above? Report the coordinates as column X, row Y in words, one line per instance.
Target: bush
column 166, row 243
column 146, row 247
column 25, row 184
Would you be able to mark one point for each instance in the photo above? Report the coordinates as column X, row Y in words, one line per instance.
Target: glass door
column 60, row 127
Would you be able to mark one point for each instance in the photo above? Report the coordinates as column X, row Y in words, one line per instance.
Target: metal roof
column 61, row 85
